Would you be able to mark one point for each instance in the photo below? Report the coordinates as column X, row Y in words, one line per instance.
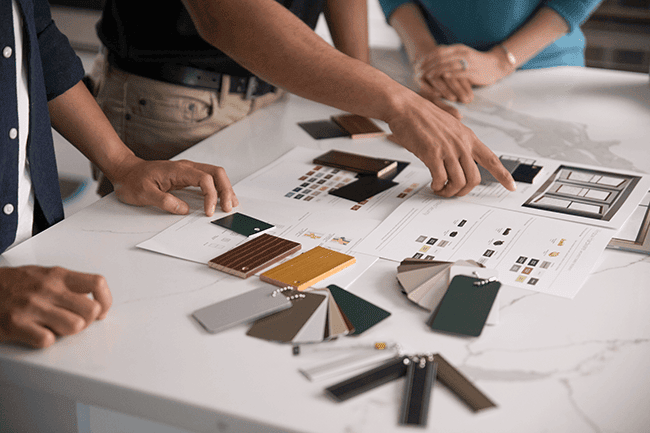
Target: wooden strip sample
column 357, row 163
column 358, row 126
column 254, row 255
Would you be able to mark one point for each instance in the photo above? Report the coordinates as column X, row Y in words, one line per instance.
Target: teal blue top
column 484, row 24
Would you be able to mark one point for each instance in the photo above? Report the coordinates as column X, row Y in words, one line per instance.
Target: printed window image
column 583, row 192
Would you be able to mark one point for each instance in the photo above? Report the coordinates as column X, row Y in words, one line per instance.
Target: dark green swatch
column 465, row 307
column 242, row 224
column 361, row 313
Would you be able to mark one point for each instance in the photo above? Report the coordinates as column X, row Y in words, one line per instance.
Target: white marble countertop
column 551, row 364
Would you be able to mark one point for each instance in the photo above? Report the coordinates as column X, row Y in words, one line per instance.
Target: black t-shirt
column 161, row 31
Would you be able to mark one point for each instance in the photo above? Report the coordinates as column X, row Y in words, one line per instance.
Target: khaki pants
column 158, row 120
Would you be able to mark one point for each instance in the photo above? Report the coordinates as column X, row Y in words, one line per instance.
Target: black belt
column 188, row 76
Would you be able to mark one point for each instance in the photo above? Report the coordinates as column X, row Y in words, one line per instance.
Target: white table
column 551, row 364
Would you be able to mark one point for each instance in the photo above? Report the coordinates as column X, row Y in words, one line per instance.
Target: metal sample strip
column 461, row 386
column 420, row 376
column 389, row 371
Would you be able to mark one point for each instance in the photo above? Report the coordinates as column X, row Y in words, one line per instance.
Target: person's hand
column 144, row 183
column 434, row 95
column 436, row 87
column 449, row 149
column 460, row 62
column 38, row 304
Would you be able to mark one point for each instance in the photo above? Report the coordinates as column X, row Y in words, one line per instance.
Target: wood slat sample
column 254, row 255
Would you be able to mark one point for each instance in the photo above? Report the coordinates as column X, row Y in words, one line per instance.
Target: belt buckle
column 251, row 87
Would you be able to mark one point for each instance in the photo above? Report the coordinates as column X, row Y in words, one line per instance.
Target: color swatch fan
column 461, row 295
column 425, row 282
column 317, row 315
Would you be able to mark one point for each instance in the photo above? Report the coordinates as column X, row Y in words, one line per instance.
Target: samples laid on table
column 287, row 315
column 292, row 194
column 342, row 125
column 420, row 371
column 461, row 295
column 320, row 315
column 307, row 269
column 375, row 175
column 244, row 225
column 544, row 237
column 255, row 255
column 454, row 254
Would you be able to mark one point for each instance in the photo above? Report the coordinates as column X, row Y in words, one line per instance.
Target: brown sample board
column 357, row 163
column 254, row 255
column 358, row 126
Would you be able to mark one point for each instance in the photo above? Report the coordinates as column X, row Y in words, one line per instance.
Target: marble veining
column 576, row 406
column 547, row 137
column 635, row 259
column 592, row 358
column 518, row 299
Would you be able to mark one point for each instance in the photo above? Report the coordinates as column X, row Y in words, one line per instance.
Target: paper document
column 546, row 236
column 540, row 254
column 294, row 179
column 568, row 191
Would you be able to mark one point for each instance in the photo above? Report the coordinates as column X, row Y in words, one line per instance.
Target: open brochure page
column 540, row 254
column 294, row 179
column 196, row 239
column 567, row 191
column 544, row 237
column 292, row 194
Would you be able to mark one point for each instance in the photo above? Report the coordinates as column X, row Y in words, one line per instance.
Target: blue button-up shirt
column 53, row 69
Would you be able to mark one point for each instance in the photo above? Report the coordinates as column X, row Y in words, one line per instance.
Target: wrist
column 505, row 59
column 119, row 167
column 423, row 50
column 397, row 102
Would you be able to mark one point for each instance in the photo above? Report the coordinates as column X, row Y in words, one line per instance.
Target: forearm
column 347, row 21
column 544, row 28
column 281, row 49
column 408, row 22
column 78, row 118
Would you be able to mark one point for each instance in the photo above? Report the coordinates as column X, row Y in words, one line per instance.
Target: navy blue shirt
column 161, row 31
column 53, row 69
